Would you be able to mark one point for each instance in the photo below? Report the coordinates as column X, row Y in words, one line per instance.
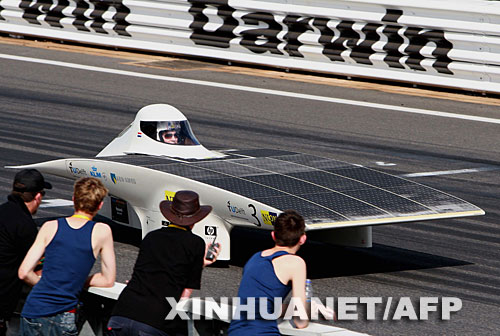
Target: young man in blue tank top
column 272, row 274
column 71, row 246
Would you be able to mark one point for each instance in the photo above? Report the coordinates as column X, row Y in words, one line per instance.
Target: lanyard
column 177, row 227
column 82, row 217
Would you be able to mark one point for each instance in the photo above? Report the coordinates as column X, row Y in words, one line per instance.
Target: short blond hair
column 88, row 193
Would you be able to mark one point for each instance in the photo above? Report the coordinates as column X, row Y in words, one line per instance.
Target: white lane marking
column 254, row 89
column 53, row 203
column 384, row 164
column 450, row 172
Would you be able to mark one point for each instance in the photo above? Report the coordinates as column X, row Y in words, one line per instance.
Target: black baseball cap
column 30, row 180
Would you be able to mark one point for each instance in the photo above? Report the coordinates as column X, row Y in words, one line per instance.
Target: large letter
column 333, row 49
column 361, row 52
column 119, row 18
column 449, row 305
column 1, row 9
column 325, row 39
column 394, row 40
column 295, row 309
column 223, row 311
column 173, row 311
column 425, row 308
column 405, row 309
column 346, row 305
column 267, row 37
column 370, row 306
column 34, row 9
column 265, row 305
column 248, row 308
column 80, row 18
column 419, row 39
column 348, row 39
column 219, row 38
column 318, row 307
column 296, row 27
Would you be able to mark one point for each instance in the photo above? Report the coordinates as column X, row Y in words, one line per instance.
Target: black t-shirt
column 170, row 259
column 17, row 233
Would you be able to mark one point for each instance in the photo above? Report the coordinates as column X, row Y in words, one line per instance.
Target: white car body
column 340, row 201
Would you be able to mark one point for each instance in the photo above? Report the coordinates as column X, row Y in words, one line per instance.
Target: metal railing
column 427, row 42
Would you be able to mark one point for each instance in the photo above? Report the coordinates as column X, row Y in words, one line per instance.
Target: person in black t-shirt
column 17, row 233
column 169, row 264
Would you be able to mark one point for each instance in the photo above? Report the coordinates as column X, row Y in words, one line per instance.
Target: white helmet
column 163, row 127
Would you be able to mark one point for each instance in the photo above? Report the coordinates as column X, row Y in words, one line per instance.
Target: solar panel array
column 323, row 190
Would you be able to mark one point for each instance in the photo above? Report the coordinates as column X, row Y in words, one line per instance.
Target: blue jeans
column 58, row 325
column 123, row 326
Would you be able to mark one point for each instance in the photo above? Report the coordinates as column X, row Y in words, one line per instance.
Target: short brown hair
column 88, row 193
column 288, row 228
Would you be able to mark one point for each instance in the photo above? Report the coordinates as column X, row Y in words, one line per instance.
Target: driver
column 168, row 132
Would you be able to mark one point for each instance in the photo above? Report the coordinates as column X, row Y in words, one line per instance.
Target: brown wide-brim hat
column 184, row 209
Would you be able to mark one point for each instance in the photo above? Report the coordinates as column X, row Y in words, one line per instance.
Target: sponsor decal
column 76, row 171
column 150, row 221
column 211, row 231
column 261, row 32
column 119, row 211
column 235, row 211
column 169, row 195
column 116, row 179
column 268, row 217
column 139, row 134
column 254, row 214
column 94, row 172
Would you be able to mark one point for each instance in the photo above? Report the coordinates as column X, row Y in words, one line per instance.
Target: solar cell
column 323, row 190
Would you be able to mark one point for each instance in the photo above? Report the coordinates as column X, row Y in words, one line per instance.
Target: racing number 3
column 254, row 214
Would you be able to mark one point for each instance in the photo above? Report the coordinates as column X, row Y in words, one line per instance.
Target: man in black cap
column 17, row 233
column 169, row 264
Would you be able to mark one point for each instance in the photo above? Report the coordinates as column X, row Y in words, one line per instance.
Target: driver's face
column 170, row 137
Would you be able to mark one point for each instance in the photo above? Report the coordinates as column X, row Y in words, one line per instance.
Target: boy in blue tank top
column 271, row 274
column 71, row 246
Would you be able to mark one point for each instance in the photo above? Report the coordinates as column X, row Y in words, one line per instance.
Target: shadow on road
column 327, row 261
column 323, row 260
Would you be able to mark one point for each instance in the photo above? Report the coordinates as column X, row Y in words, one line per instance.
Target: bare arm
column 104, row 241
column 44, row 237
column 294, row 269
column 186, row 293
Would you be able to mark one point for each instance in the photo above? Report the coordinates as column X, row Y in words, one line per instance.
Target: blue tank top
column 259, row 281
column 68, row 260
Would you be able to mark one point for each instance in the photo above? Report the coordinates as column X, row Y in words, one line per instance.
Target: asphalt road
column 51, row 111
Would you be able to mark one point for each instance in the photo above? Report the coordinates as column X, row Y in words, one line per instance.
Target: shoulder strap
column 89, row 225
column 277, row 254
column 61, row 223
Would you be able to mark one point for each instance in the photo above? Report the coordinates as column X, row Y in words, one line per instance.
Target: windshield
column 170, row 132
